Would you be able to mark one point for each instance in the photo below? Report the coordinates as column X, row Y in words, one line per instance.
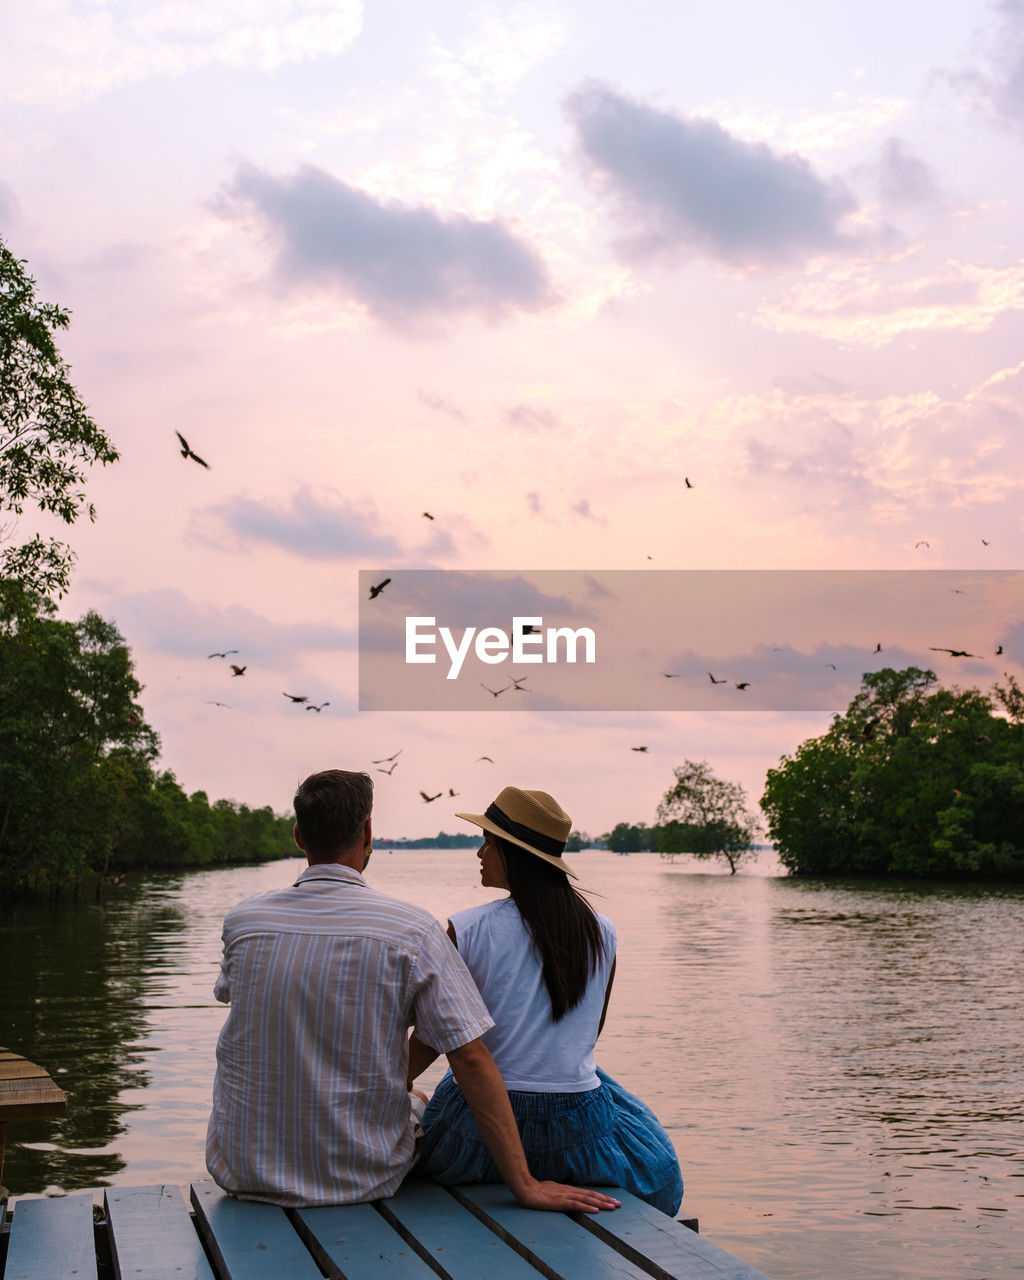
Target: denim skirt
column 604, row 1137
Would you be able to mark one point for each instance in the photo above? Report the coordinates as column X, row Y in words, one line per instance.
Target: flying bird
column 314, row 707
column 922, row 543
column 427, row 515
column 686, row 480
column 296, row 697
column 518, row 683
column 742, row 684
column 214, row 703
column 487, row 758
column 670, row 675
column 388, row 759
column 390, row 771
column 493, row 692
column 953, row 653
column 638, row 748
column 832, row 665
column 221, row 655
column 999, row 651
column 186, row 451
column 375, row 591
column 529, row 630
column 239, row 671
column 427, row 799
column 878, row 647
column 984, row 542
column 451, row 792
column 714, row 681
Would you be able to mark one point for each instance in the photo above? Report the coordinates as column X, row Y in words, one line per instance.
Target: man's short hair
column 330, row 810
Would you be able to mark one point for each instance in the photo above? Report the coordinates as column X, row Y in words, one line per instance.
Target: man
column 324, row 980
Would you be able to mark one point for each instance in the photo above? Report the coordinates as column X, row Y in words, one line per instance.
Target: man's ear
column 298, row 838
column 367, row 832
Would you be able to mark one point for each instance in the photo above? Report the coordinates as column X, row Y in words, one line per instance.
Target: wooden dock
column 425, row 1231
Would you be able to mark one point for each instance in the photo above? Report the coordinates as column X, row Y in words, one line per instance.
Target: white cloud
column 57, row 51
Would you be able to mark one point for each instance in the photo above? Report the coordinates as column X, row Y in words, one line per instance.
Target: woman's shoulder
column 607, row 930
column 470, row 917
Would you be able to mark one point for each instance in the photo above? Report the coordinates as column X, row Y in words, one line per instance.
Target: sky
column 528, row 267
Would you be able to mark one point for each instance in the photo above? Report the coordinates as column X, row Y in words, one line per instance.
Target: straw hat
column 533, row 820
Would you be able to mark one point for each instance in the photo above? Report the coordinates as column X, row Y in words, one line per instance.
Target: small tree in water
column 706, row 816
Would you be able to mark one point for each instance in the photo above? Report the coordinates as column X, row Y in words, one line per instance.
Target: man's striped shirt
column 324, row 980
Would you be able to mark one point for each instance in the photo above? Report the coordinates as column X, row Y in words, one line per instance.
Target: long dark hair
column 561, row 922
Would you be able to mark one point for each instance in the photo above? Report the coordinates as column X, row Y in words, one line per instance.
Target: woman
column 544, row 962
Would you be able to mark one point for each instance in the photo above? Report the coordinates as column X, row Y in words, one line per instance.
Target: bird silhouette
column 390, row 771
column 878, row 647
column 999, row 651
column 314, row 707
column 953, row 653
column 714, row 681
column 452, row 793
column 922, row 543
column 296, row 697
column 670, row 675
column 214, row 703
column 529, row 630
column 221, row 655
column 427, row 515
column 388, row 759
column 518, row 683
column 493, row 692
column 984, row 542
column 832, row 665
column 686, row 481
column 239, row 671
column 487, row 758
column 427, row 799
column 186, row 451
column 638, row 748
column 375, row 591
column 742, row 684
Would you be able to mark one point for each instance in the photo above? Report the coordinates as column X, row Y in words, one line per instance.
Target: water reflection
column 76, row 978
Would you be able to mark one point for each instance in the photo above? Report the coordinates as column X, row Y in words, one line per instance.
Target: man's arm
column 480, row 1081
column 420, row 1057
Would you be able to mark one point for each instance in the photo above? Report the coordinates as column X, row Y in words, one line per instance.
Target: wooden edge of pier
column 422, row 1232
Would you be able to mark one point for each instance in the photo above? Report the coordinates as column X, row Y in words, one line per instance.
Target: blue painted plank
column 449, row 1232
column 355, row 1240
column 52, row 1239
column 152, row 1236
column 671, row 1251
column 250, row 1241
column 552, row 1242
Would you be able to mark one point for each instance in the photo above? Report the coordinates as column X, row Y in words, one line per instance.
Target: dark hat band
column 544, row 843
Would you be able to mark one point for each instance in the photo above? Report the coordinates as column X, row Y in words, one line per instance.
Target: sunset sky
column 525, row 267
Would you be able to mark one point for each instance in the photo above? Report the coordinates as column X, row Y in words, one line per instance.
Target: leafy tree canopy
column 914, row 780
column 47, row 438
column 705, row 815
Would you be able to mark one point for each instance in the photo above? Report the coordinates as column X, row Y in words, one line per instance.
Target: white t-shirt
column 533, row 1053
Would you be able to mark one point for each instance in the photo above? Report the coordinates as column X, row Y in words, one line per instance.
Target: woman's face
column 492, row 869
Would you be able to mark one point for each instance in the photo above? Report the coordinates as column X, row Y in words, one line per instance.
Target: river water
column 840, row 1066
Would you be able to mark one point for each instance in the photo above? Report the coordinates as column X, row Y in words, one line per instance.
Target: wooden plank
column 52, row 1239
column 354, row 1240
column 152, row 1236
column 250, row 1241
column 450, row 1234
column 662, row 1246
column 555, row 1244
column 20, row 1069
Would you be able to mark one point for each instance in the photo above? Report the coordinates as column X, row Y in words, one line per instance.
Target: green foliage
column 47, row 438
column 914, row 780
column 577, row 840
column 626, row 838
column 706, row 816
column 78, row 788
